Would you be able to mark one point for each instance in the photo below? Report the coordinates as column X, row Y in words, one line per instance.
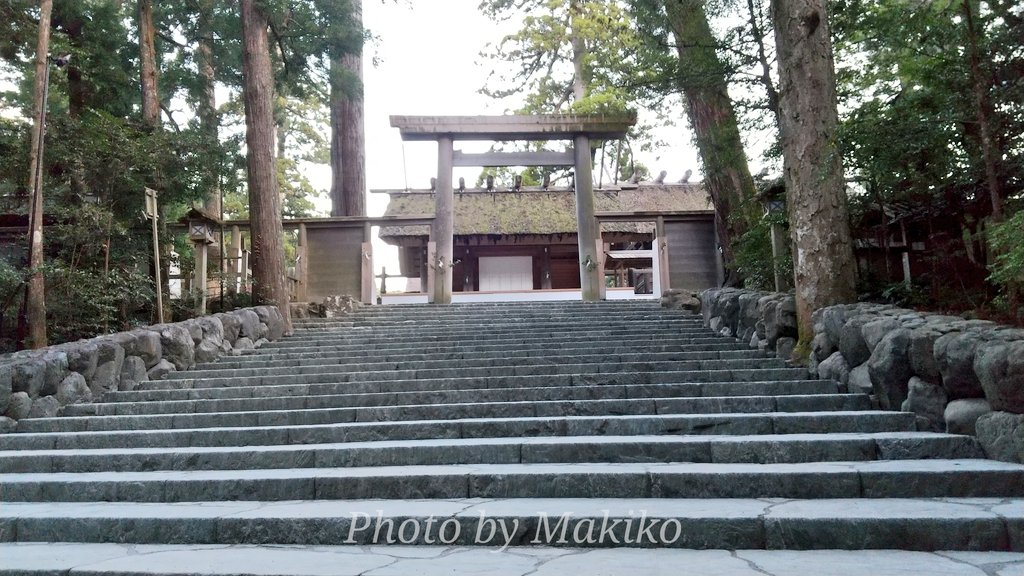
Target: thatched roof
column 543, row 212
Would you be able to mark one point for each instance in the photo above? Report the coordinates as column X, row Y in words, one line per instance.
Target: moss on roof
column 543, row 211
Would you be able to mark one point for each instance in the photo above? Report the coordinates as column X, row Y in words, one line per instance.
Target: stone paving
column 613, row 438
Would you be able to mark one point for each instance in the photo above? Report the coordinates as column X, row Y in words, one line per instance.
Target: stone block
column 1001, row 435
column 108, row 371
column 19, row 406
column 231, row 325
column 954, row 355
column 7, row 425
column 1000, row 368
column 147, row 346
column 928, row 401
column 133, row 371
column 875, row 330
column 82, row 358
column 961, row 415
column 676, row 299
column 178, row 345
column 28, row 375
column 922, row 353
column 244, row 343
column 73, row 390
column 835, row 368
column 161, row 369
column 889, row 368
column 250, row 323
column 272, row 317
column 784, row 347
column 833, row 318
column 6, row 387
column 860, row 380
column 207, row 351
column 44, row 407
column 213, row 329
column 851, row 341
column 822, row 346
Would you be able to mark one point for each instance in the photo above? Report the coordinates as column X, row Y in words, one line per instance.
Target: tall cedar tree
column 824, row 267
column 702, row 80
column 348, row 140
column 268, row 274
column 35, row 298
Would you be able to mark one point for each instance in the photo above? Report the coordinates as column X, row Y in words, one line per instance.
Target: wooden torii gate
column 445, row 130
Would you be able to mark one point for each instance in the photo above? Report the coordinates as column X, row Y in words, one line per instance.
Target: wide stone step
column 870, row 479
column 422, row 361
column 354, row 341
column 538, row 321
column 434, row 560
column 508, row 326
column 676, row 425
column 402, row 371
column 369, row 393
column 125, row 407
column 388, row 382
column 924, row 524
column 467, row 410
column 465, row 351
column 575, row 449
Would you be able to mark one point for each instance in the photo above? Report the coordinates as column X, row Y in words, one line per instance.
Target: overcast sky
column 429, row 64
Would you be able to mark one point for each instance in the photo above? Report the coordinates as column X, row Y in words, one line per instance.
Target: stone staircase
column 611, row 438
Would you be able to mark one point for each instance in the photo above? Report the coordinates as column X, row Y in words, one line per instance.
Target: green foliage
column 753, row 255
column 1005, row 240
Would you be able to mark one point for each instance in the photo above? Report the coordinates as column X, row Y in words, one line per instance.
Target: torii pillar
column 580, row 129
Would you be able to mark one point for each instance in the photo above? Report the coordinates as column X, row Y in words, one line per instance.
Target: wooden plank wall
column 691, row 250
column 335, row 262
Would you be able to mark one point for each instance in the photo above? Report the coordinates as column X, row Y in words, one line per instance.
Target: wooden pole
column 367, row 269
column 444, row 223
column 661, row 253
column 302, row 267
column 156, row 266
column 201, row 253
column 431, row 271
column 587, row 236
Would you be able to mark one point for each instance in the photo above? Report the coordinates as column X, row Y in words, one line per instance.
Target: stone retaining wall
column 956, row 375
column 38, row 383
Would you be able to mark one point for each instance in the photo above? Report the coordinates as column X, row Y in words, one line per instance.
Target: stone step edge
column 910, row 524
column 637, row 366
column 780, row 423
column 640, row 406
column 317, row 389
column 435, row 560
column 250, row 362
column 653, row 377
column 537, row 408
column 812, row 480
column 565, row 449
column 475, row 361
column 107, row 401
column 257, row 354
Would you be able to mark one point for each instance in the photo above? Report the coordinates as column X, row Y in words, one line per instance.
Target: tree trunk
column 207, row 106
column 35, row 292
column 268, row 273
column 581, row 76
column 824, row 266
column 726, row 173
column 762, row 61
column 151, row 118
column 348, row 141
column 147, row 49
column 983, row 112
